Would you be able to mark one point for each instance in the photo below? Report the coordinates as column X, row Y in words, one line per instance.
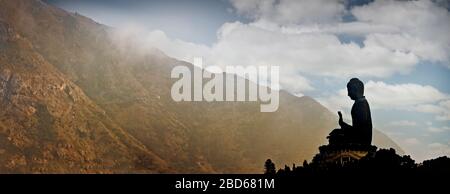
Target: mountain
column 48, row 124
column 75, row 99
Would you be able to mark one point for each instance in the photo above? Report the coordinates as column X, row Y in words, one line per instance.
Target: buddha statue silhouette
column 360, row 132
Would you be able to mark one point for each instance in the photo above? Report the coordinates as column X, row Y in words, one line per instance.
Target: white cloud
column 291, row 11
column 337, row 102
column 403, row 123
column 427, row 108
column 411, row 142
column 408, row 97
column 441, row 109
column 301, row 37
column 445, row 111
column 318, row 53
column 423, row 27
column 310, row 53
column 403, row 96
column 141, row 40
column 439, row 129
column 422, row 151
column 438, row 149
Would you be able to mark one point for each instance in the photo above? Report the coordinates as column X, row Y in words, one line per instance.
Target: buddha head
column 355, row 89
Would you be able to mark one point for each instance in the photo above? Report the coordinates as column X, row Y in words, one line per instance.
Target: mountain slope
column 47, row 124
column 126, row 92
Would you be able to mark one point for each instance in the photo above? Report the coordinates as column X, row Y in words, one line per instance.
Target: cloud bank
column 305, row 38
column 313, row 38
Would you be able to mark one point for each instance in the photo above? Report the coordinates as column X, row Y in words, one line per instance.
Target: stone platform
column 340, row 154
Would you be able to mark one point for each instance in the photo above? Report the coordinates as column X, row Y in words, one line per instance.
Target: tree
column 305, row 164
column 287, row 169
column 269, row 167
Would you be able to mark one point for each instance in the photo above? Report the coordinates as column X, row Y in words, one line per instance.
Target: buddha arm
column 344, row 125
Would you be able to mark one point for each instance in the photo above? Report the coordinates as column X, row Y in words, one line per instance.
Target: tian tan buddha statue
column 360, row 132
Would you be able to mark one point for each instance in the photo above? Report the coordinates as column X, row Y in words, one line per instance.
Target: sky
column 399, row 49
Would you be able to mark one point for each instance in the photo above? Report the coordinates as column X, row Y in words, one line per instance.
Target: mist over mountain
column 73, row 99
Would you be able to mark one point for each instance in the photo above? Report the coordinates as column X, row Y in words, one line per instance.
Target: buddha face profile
column 355, row 89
